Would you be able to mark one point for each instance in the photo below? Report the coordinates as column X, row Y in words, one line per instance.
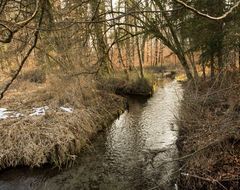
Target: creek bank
column 209, row 135
column 140, row 87
column 55, row 137
column 136, row 86
column 128, row 154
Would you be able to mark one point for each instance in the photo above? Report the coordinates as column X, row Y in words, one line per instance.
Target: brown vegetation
column 83, row 52
column 57, row 137
column 210, row 136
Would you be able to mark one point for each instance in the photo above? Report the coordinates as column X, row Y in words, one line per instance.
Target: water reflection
column 126, row 156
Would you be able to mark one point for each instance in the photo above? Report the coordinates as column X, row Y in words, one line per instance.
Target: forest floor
column 209, row 135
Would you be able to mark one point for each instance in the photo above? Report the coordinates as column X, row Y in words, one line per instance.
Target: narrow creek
column 128, row 155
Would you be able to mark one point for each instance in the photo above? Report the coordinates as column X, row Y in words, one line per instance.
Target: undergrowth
column 209, row 135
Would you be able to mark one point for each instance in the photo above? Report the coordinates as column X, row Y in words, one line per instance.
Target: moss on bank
column 209, row 135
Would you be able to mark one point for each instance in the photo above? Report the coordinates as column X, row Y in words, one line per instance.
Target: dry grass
column 56, row 137
column 210, row 132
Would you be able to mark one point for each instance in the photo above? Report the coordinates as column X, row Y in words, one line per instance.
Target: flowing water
column 128, row 155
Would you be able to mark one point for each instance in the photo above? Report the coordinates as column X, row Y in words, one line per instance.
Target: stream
column 127, row 155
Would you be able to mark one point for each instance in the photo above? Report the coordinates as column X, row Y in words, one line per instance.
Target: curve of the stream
column 128, row 155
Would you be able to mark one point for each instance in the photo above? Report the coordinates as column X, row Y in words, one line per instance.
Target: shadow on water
column 128, row 155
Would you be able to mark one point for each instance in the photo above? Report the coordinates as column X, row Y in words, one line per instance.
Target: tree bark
column 156, row 52
column 204, row 70
column 192, row 61
column 101, row 44
column 212, row 67
column 239, row 58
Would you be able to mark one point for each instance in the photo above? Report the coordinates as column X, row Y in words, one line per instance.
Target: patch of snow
column 3, row 113
column 69, row 110
column 16, row 115
column 39, row 111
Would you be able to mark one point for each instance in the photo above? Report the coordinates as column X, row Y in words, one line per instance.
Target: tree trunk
column 156, row 52
column 239, row 58
column 151, row 52
column 185, row 66
column 212, row 67
column 147, row 56
column 120, row 57
column 101, row 44
column 220, row 60
column 204, row 70
column 143, row 48
column 139, row 57
column 193, row 64
column 139, row 52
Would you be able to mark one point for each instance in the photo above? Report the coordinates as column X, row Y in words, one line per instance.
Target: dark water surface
column 128, row 155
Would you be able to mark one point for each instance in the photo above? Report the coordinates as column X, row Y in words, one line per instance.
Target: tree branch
column 36, row 35
column 206, row 15
column 16, row 27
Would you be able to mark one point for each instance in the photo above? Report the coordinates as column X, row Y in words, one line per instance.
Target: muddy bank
column 209, row 135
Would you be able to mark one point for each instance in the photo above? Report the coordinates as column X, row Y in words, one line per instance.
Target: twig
column 188, row 155
column 204, row 179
